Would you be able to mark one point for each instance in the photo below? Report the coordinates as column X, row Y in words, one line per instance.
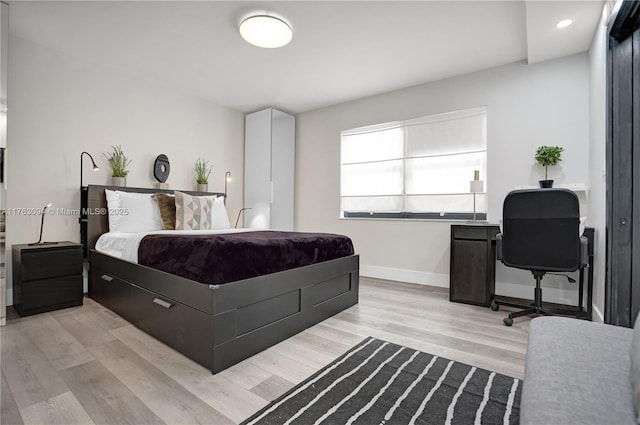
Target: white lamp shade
column 476, row 186
column 266, row 31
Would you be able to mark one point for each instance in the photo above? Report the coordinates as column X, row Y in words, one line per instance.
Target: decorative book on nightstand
column 46, row 277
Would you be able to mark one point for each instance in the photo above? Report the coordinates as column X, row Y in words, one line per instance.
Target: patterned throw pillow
column 193, row 212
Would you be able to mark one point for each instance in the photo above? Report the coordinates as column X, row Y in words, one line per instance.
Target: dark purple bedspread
column 217, row 259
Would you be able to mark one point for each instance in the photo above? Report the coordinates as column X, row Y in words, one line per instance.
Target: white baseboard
column 552, row 295
column 404, row 275
column 85, row 277
column 442, row 280
column 556, row 295
column 597, row 315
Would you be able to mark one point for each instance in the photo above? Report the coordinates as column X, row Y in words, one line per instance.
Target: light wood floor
column 86, row 365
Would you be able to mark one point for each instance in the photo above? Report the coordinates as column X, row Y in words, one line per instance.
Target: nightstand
column 46, row 277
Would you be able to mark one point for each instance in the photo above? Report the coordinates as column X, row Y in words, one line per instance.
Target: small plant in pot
column 118, row 162
column 202, row 171
column 546, row 156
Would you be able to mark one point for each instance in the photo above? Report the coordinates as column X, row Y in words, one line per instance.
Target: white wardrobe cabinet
column 269, row 168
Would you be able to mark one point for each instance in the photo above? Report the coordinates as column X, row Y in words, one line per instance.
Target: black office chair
column 540, row 233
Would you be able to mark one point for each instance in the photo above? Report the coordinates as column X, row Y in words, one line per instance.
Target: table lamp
column 227, row 179
column 476, row 186
column 44, row 210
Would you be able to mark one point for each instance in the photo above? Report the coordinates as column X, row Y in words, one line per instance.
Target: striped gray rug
column 378, row 382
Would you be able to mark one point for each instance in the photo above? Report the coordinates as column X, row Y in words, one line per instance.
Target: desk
column 473, row 272
column 473, row 263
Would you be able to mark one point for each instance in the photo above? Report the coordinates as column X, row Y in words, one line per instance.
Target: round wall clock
column 161, row 168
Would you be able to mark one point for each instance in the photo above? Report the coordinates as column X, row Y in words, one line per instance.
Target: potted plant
column 202, row 171
column 118, row 162
column 546, row 156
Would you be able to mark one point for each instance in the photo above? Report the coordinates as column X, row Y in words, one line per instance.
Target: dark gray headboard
column 98, row 223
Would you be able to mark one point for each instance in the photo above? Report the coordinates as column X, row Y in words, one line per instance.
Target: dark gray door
column 622, row 290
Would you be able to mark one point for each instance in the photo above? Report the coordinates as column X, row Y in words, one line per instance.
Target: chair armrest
column 499, row 246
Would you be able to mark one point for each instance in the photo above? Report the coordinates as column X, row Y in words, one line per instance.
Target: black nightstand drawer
column 51, row 263
column 63, row 291
column 46, row 277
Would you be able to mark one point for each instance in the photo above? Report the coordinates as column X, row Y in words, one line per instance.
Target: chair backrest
column 540, row 230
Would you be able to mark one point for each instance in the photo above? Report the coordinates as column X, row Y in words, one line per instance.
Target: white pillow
column 132, row 212
column 219, row 216
column 113, row 205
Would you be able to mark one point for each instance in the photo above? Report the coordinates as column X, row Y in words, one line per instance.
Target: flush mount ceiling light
column 266, row 31
column 565, row 23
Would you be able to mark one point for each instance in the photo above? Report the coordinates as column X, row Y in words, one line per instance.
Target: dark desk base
column 574, row 311
column 473, row 263
column 580, row 311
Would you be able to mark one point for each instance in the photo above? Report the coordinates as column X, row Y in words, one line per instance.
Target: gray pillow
column 635, row 366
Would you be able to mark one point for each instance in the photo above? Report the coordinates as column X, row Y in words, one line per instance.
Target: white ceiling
column 340, row 51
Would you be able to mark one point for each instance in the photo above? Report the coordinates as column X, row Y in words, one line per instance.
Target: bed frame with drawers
column 216, row 325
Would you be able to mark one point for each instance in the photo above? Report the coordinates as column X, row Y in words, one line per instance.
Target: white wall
column 527, row 106
column 60, row 106
column 597, row 159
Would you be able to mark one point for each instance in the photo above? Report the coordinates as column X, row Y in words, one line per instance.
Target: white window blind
column 421, row 165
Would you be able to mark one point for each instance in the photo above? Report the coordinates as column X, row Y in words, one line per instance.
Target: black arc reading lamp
column 44, row 210
column 238, row 219
column 84, row 194
column 95, row 167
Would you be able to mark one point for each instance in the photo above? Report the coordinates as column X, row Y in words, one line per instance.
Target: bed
column 216, row 325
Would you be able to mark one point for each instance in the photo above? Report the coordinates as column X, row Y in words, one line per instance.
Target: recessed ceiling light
column 266, row 31
column 565, row 23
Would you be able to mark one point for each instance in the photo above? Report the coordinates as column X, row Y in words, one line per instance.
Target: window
column 419, row 168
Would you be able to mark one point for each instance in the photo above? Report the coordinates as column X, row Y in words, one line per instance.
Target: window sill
column 406, row 215
column 420, row 220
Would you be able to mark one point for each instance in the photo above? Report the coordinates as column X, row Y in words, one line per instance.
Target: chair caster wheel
column 494, row 306
column 508, row 321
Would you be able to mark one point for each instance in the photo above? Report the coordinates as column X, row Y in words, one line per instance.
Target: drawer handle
column 162, row 303
column 106, row 277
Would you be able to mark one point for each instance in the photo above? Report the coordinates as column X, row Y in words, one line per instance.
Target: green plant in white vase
column 202, row 171
column 118, row 162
